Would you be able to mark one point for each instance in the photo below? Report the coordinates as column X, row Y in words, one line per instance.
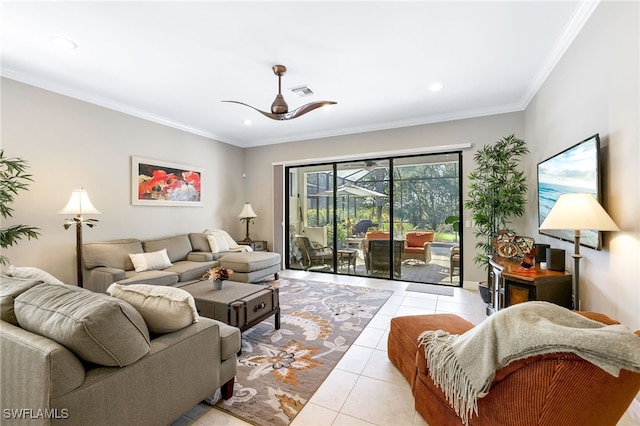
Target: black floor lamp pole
column 79, row 249
column 576, row 271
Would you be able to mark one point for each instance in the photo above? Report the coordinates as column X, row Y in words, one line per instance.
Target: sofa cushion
column 217, row 243
column 31, row 273
column 150, row 277
column 188, row 270
column 96, row 327
column 164, row 309
column 111, row 254
column 150, row 261
column 199, row 242
column 250, row 261
column 178, row 247
column 10, row 288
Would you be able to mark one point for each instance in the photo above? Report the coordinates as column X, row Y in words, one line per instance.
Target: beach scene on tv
column 572, row 171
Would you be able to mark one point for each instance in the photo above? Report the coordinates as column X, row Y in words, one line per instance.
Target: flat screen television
column 574, row 170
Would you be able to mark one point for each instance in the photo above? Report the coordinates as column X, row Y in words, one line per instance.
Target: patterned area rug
column 279, row 370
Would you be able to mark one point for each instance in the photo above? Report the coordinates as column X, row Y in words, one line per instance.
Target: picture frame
column 163, row 183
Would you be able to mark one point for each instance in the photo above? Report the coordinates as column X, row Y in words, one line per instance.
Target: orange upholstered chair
column 374, row 235
column 376, row 250
column 418, row 245
column 558, row 389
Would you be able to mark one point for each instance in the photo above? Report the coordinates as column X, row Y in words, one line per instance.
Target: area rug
column 431, row 289
column 279, row 370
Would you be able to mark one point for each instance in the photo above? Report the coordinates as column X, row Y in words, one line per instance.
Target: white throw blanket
column 464, row 366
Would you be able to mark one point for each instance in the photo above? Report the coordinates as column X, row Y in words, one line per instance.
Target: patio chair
column 418, row 247
column 313, row 257
column 376, row 257
column 316, row 234
column 454, row 261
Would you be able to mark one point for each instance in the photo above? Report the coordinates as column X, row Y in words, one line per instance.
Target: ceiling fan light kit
column 279, row 108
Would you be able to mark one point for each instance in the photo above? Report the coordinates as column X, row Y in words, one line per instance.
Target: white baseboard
column 470, row 285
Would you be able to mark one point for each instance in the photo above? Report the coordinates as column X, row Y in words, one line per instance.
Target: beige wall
column 594, row 89
column 476, row 131
column 70, row 143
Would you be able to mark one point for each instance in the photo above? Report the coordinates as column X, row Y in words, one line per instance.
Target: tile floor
column 365, row 389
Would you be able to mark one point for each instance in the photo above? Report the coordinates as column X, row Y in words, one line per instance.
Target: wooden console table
column 510, row 284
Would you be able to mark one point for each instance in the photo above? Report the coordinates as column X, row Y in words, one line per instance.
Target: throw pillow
column 31, row 273
column 150, row 261
column 164, row 309
column 230, row 242
column 217, row 242
column 96, row 327
column 10, row 288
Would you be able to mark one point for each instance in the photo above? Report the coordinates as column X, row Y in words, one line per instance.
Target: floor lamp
column 79, row 204
column 577, row 212
column 246, row 215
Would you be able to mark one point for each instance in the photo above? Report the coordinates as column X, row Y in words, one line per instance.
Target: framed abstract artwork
column 161, row 183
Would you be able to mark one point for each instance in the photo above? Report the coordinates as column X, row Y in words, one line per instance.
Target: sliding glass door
column 394, row 218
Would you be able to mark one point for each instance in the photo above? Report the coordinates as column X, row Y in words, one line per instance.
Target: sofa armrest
column 181, row 369
column 100, row 278
column 35, row 369
column 200, row 256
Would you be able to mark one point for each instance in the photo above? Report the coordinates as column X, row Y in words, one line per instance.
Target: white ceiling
column 173, row 62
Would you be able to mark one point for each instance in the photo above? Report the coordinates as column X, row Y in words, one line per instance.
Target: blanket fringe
column 448, row 375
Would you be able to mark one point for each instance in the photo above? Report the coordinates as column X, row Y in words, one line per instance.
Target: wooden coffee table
column 238, row 304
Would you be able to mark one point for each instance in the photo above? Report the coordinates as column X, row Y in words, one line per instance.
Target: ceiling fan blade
column 266, row 114
column 291, row 114
column 306, row 108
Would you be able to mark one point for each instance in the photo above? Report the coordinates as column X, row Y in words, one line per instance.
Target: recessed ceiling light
column 247, row 122
column 436, row 86
column 63, row 42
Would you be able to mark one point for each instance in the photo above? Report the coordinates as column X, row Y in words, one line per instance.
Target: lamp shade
column 247, row 211
column 577, row 212
column 79, row 203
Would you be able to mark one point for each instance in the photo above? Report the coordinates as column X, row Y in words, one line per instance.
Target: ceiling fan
column 279, row 108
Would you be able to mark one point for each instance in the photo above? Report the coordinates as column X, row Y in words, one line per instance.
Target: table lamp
column 79, row 204
column 576, row 212
column 246, row 215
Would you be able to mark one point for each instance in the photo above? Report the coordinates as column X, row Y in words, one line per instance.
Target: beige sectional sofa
column 189, row 254
column 75, row 357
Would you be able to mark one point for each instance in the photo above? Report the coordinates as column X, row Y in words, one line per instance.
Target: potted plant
column 497, row 192
column 13, row 178
column 454, row 221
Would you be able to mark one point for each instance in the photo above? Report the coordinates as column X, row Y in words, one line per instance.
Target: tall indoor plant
column 13, row 178
column 497, row 191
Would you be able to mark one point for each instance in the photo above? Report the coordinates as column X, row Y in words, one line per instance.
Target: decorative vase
column 217, row 284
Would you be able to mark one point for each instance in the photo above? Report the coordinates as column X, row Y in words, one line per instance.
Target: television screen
column 574, row 170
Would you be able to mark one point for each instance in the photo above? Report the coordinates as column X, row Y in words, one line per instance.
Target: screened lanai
column 394, row 218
